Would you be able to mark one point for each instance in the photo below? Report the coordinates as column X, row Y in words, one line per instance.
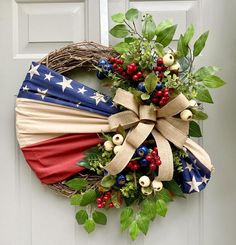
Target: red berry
column 114, row 66
column 123, row 73
column 119, row 69
column 158, row 93
column 153, row 166
column 158, row 162
column 163, row 68
column 135, row 78
column 155, row 100
column 159, row 61
column 155, row 149
column 99, row 205
column 105, row 198
column 135, row 167
column 161, row 75
column 148, row 158
column 139, row 74
column 159, row 68
column 155, row 68
column 111, row 205
column 112, row 60
column 119, row 61
column 99, row 200
column 166, row 90
column 166, row 94
column 104, row 204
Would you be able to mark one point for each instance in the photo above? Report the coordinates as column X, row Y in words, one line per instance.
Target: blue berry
column 159, row 86
column 102, row 62
column 141, row 87
column 121, row 179
column 142, row 151
column 107, row 67
column 143, row 162
column 100, row 75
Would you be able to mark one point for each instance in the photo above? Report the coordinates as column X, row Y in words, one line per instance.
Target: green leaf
column 131, row 14
column 194, row 129
column 121, row 47
column 160, row 50
column 145, row 96
column 129, row 39
column 174, row 188
column 84, row 164
column 75, row 199
column 161, row 207
column 81, row 216
column 99, row 218
column 165, row 36
column 119, row 31
column 182, row 47
column 163, row 25
column 149, row 28
column 134, row 230
column 126, row 218
column 108, row 181
column 151, row 82
column 164, row 195
column 204, row 72
column 199, row 115
column 149, row 209
column 89, row 225
column 200, row 44
column 143, row 224
column 203, row 94
column 213, row 81
column 118, row 18
column 188, row 35
column 88, row 197
column 77, row 183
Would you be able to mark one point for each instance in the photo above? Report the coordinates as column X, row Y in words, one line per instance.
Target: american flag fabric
column 54, row 133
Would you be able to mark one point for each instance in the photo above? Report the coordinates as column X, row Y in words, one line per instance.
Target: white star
column 78, row 104
column 42, row 93
column 98, row 97
column 82, row 90
column 205, row 179
column 33, row 71
column 48, row 76
column 25, row 88
column 194, row 185
column 114, row 104
column 189, row 167
column 65, row 83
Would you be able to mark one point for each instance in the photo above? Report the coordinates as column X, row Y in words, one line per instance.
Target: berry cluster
column 130, row 72
column 105, row 66
column 147, row 158
column 104, row 201
column 160, row 68
column 161, row 96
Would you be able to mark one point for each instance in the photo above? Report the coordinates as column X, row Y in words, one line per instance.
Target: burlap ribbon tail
column 143, row 120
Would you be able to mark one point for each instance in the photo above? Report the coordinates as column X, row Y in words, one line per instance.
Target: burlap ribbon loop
column 143, row 120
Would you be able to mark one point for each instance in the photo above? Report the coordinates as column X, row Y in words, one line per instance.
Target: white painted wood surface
column 31, row 214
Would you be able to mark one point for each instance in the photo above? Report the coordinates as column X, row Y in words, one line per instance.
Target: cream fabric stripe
column 38, row 121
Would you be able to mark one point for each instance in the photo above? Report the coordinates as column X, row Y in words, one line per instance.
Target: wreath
column 131, row 149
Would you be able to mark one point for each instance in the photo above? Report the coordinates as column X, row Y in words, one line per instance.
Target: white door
column 31, row 214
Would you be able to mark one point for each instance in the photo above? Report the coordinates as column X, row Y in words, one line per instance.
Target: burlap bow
column 143, row 120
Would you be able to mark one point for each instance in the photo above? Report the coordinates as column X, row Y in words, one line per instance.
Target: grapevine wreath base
column 130, row 150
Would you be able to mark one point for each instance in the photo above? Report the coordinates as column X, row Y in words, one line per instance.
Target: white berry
column 193, row 103
column 146, row 191
column 168, row 60
column 157, row 185
column 108, row 145
column 186, row 115
column 175, row 67
column 144, row 181
column 117, row 148
column 117, row 139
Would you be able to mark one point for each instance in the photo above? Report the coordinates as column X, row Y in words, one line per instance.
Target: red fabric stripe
column 55, row 160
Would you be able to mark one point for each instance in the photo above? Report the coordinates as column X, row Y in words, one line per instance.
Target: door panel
column 31, row 214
